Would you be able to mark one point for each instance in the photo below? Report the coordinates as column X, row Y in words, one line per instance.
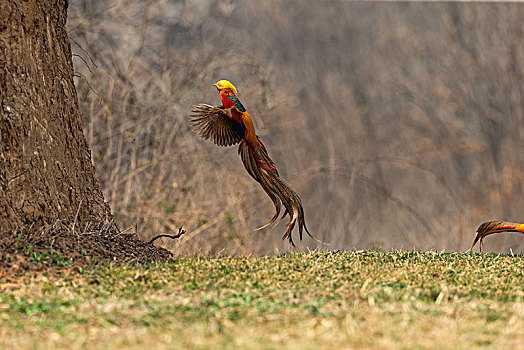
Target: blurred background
column 400, row 125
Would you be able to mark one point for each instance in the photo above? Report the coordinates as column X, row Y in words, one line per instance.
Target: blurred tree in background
column 400, row 124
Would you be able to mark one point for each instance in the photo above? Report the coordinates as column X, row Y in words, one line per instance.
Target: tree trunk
column 45, row 169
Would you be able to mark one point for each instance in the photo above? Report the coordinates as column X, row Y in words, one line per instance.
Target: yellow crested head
column 224, row 84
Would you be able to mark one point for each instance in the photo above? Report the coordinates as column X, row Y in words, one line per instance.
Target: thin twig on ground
column 181, row 231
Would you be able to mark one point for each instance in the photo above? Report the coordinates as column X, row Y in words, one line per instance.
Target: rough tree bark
column 50, row 201
column 45, row 168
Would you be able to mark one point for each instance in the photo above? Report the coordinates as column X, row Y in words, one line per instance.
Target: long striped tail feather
column 263, row 170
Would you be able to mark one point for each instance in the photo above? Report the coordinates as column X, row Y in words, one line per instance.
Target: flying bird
column 491, row 227
column 230, row 124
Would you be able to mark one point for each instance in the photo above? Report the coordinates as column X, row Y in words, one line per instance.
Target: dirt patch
column 62, row 246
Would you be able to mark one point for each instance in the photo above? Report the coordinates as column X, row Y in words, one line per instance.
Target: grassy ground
column 307, row 301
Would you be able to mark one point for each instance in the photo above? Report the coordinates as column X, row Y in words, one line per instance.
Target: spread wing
column 215, row 123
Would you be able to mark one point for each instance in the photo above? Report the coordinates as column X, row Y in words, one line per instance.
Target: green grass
column 296, row 301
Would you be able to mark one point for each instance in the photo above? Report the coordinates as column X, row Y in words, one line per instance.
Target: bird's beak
column 475, row 241
column 216, row 85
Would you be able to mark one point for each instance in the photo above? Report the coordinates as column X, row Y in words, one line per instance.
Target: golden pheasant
column 490, row 227
column 230, row 124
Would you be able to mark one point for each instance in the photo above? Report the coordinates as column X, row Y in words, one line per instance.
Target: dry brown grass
column 399, row 125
